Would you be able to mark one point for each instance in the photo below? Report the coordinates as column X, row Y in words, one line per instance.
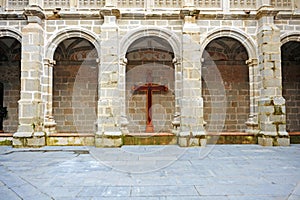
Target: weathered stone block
column 203, row 142
column 283, row 141
column 18, row 142
column 193, row 142
column 183, row 141
column 265, row 141
column 109, row 139
column 36, row 142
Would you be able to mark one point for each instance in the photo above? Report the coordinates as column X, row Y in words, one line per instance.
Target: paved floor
column 234, row 172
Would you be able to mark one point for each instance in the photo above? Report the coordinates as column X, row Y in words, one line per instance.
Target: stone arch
column 9, row 32
column 224, row 58
column 291, row 36
column 75, row 86
column 169, row 45
column 67, row 33
column 234, row 33
column 138, row 33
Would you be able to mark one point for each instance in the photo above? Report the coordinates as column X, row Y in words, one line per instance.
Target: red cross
column 149, row 88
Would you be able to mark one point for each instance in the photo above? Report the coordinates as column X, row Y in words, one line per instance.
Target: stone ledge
column 71, row 135
column 70, row 139
column 230, row 133
column 294, row 133
column 191, row 134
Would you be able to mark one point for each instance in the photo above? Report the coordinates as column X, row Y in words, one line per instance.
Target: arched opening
column 10, row 74
column 150, row 83
column 75, row 83
column 290, row 57
column 228, row 56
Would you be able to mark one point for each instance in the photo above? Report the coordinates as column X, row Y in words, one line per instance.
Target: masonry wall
column 234, row 75
column 10, row 77
column 163, row 103
column 237, row 92
column 291, row 93
column 75, row 97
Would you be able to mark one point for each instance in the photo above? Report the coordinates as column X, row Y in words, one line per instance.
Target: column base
column 265, row 140
column 187, row 139
column 108, row 139
column 27, row 139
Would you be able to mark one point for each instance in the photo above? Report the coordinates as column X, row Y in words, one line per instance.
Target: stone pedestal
column 271, row 105
column 31, row 108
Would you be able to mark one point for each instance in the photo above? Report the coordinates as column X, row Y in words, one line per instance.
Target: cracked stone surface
column 220, row 172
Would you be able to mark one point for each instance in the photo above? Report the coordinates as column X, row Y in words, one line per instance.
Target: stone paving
column 151, row 172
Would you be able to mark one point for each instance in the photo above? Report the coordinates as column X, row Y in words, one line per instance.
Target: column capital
column 251, row 62
column 266, row 11
column 189, row 12
column 34, row 14
column 123, row 61
column 49, row 62
column 176, row 61
column 189, row 16
column 110, row 12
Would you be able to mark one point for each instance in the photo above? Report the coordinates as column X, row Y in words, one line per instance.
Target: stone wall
column 75, row 97
column 75, row 109
column 235, row 78
column 291, row 93
column 163, row 103
column 10, row 77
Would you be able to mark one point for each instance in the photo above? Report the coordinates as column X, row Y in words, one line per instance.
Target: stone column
column 109, row 105
column 47, row 96
column 122, row 90
column 178, row 95
column 31, row 108
column 271, row 110
column 192, row 132
column 252, row 124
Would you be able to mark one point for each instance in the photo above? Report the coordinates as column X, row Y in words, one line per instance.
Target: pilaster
column 122, row 90
column 271, row 105
column 31, row 107
column 192, row 131
column 109, row 105
column 252, row 123
column 47, row 96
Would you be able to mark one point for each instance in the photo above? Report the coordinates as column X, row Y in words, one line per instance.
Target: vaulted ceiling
column 226, row 49
column 10, row 49
column 290, row 51
column 75, row 49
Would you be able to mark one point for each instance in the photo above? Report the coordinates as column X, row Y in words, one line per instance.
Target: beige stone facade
column 69, row 69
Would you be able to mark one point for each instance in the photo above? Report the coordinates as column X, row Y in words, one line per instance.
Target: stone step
column 71, row 139
column 149, row 139
column 231, row 138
